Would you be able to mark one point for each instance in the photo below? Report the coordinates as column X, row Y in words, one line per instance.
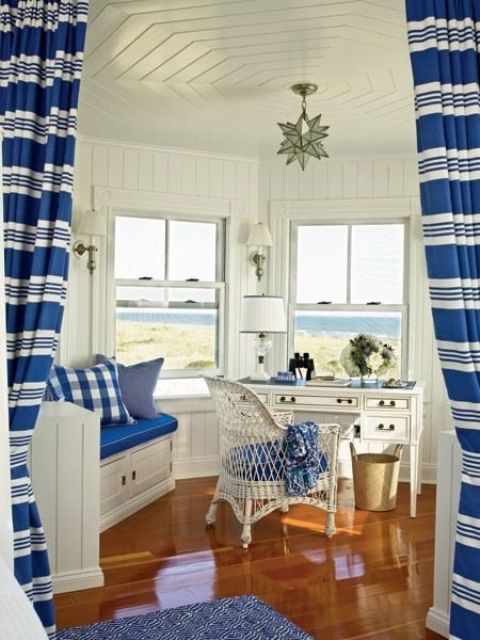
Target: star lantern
column 303, row 140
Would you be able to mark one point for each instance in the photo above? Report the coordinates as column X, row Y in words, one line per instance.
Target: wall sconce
column 260, row 237
column 92, row 223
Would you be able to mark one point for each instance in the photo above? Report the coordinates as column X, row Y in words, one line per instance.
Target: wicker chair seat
column 253, row 462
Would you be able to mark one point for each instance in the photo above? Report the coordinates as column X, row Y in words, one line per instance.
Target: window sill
column 185, row 404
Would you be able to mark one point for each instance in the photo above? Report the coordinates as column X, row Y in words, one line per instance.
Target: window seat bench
column 116, row 438
column 136, row 466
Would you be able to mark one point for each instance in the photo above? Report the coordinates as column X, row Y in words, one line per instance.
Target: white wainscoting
column 448, row 494
column 65, row 469
column 196, row 451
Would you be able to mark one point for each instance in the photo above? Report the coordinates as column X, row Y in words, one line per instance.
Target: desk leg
column 413, row 479
column 420, row 461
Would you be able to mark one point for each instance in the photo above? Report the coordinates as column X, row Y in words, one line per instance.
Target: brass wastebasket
column 375, row 479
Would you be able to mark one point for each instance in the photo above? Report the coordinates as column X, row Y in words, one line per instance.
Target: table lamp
column 261, row 315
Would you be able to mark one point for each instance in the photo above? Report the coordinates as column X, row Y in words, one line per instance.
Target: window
column 170, row 297
column 347, row 279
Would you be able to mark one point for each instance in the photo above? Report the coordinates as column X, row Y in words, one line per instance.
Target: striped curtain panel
column 41, row 56
column 444, row 40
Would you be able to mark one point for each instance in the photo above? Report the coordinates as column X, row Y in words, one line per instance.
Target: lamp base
column 260, row 374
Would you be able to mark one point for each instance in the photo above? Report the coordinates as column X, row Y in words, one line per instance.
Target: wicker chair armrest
column 283, row 418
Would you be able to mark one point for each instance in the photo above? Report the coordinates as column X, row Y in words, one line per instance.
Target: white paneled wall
column 354, row 181
column 173, row 178
column 150, row 172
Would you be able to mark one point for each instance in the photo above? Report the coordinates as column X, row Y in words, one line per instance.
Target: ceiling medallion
column 303, row 139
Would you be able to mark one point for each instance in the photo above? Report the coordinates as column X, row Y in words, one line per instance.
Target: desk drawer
column 319, row 402
column 387, row 403
column 263, row 397
column 387, row 427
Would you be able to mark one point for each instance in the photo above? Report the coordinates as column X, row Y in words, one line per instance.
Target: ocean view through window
column 347, row 279
column 170, row 298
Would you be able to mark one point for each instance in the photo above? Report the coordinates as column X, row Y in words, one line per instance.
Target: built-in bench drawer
column 386, row 427
column 387, row 403
column 344, row 402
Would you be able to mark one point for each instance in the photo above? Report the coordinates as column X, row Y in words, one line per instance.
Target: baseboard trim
column 438, row 621
column 77, row 580
column 135, row 504
column 197, row 467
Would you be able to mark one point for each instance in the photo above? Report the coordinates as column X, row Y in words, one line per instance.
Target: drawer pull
column 134, row 475
column 382, row 427
column 243, row 398
column 347, row 400
column 339, row 400
column 124, row 480
column 350, row 401
column 293, row 399
column 282, row 399
column 392, row 403
column 381, row 403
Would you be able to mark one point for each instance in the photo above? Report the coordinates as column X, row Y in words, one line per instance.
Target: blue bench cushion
column 115, row 438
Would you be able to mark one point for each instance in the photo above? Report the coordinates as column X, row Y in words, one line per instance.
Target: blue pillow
column 137, row 384
column 96, row 388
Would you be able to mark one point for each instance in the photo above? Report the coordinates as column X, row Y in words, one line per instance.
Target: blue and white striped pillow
column 95, row 388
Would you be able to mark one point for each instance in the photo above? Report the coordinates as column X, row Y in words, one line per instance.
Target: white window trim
column 218, row 285
column 284, row 213
column 401, row 308
column 237, row 217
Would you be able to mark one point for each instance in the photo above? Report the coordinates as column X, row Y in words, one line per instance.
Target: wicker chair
column 252, row 474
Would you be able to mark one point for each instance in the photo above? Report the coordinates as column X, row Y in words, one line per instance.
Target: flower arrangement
column 365, row 355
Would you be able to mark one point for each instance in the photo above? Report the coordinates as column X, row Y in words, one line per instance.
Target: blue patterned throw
column 303, row 463
column 241, row 618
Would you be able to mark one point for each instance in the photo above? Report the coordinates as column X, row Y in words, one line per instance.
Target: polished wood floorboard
column 372, row 580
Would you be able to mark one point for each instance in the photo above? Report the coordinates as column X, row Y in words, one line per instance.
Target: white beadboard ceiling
column 214, row 75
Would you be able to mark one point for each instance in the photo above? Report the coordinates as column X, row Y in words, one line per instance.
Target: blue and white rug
column 241, row 618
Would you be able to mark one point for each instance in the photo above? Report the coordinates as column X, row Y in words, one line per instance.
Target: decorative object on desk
column 259, row 237
column 330, row 382
column 305, row 138
column 302, row 367
column 262, row 315
column 285, row 376
column 367, row 357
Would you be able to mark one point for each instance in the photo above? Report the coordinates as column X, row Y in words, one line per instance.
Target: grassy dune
column 182, row 345
column 192, row 346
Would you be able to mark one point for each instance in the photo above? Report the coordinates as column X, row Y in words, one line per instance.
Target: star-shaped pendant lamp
column 303, row 140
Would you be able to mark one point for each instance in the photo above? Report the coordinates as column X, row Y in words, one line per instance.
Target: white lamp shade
column 263, row 314
column 259, row 236
column 92, row 223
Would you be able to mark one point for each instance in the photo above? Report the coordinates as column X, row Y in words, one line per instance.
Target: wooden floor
column 372, row 580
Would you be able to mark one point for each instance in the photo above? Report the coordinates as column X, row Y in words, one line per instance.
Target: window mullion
column 349, row 265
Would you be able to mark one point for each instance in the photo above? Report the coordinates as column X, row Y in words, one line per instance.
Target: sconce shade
column 259, row 236
column 263, row 314
column 92, row 223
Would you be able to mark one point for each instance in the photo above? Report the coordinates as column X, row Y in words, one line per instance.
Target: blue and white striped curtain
column 41, row 56
column 444, row 40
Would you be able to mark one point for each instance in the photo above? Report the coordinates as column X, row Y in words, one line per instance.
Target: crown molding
column 172, row 150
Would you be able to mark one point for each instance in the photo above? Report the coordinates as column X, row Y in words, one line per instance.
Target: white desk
column 384, row 415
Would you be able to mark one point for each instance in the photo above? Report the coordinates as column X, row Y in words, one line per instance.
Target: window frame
column 402, row 308
column 218, row 285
